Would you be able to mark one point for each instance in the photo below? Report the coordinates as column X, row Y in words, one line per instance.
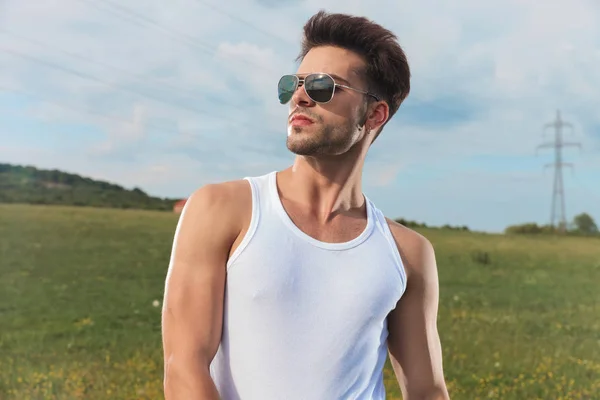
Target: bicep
column 194, row 287
column 414, row 343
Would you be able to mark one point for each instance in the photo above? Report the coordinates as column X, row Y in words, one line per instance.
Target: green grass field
column 519, row 317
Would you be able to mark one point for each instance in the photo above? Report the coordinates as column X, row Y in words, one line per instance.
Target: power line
column 143, row 78
column 558, row 191
column 144, row 22
column 93, row 78
column 242, row 20
column 138, row 19
column 84, row 110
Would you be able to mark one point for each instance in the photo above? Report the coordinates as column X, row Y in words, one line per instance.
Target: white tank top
column 305, row 319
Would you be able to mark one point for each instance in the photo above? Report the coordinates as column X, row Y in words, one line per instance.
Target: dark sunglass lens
column 286, row 88
column 319, row 87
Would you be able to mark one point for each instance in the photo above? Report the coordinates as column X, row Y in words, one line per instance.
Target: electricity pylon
column 558, row 191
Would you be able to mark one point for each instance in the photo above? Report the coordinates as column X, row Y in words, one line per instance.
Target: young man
column 293, row 285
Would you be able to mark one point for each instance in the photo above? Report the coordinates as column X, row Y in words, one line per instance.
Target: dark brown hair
column 387, row 73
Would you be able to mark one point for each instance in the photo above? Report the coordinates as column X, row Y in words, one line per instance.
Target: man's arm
column 193, row 300
column 414, row 343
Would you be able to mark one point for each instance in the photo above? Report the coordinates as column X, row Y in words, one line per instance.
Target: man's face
column 334, row 127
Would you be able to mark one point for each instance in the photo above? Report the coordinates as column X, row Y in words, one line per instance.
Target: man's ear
column 378, row 115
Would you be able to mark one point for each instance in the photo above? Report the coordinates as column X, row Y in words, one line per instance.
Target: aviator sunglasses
column 320, row 87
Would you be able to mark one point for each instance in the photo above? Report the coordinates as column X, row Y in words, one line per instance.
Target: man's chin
column 303, row 151
column 303, row 147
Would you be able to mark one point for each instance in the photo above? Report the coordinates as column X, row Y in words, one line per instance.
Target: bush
column 530, row 228
column 415, row 224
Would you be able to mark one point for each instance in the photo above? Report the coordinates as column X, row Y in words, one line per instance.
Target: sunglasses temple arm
column 359, row 91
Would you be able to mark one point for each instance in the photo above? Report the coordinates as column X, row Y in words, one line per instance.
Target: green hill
column 30, row 185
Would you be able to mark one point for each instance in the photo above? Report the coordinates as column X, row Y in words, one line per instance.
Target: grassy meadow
column 519, row 316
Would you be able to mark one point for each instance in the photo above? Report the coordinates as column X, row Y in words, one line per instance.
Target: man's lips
column 300, row 120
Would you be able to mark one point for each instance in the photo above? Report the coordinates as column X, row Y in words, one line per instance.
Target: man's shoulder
column 405, row 235
column 415, row 249
column 229, row 197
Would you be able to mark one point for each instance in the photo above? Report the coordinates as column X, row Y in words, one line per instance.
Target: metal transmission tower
column 558, row 191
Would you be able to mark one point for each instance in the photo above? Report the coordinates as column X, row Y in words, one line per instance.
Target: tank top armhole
column 252, row 226
column 387, row 233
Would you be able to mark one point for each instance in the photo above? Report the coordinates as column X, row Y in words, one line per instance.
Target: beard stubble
column 320, row 139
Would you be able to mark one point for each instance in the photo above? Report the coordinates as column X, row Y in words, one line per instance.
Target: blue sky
column 168, row 97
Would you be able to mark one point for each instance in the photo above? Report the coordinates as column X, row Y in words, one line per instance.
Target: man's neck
column 325, row 186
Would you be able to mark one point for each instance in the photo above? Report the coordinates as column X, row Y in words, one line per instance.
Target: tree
column 584, row 223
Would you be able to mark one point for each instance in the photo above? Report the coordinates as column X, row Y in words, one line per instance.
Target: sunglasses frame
column 300, row 82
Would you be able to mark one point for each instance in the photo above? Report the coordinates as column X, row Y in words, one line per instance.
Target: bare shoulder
column 226, row 201
column 223, row 196
column 216, row 211
column 416, row 250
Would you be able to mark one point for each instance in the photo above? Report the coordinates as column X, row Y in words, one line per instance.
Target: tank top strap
column 258, row 188
column 384, row 228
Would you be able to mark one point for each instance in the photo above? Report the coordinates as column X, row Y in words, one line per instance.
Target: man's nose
column 300, row 97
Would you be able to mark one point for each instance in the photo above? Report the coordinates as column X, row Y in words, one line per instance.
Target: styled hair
column 387, row 73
